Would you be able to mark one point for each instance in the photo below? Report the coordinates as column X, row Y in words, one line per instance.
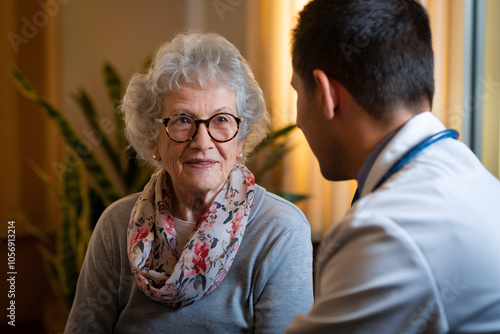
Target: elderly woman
column 202, row 249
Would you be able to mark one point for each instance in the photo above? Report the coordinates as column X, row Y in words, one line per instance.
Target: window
column 481, row 112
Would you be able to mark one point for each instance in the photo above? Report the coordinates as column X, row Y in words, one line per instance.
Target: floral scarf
column 178, row 280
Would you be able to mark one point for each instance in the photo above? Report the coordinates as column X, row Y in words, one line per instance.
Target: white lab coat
column 421, row 254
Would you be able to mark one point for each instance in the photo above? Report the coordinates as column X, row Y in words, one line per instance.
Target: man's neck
column 373, row 133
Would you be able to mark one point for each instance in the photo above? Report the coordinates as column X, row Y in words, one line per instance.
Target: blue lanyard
column 405, row 159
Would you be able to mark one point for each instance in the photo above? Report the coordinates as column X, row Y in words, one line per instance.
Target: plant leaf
column 65, row 205
column 133, row 170
column 71, row 183
column 64, row 261
column 86, row 105
column 84, row 226
column 85, row 153
column 291, row 197
column 97, row 207
column 113, row 85
column 30, row 225
column 65, row 256
column 114, row 88
column 270, row 138
column 146, row 64
column 279, row 151
column 52, row 269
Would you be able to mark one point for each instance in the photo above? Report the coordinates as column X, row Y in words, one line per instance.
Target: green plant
column 272, row 149
column 86, row 189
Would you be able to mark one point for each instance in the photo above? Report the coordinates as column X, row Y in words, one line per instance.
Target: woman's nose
column 202, row 140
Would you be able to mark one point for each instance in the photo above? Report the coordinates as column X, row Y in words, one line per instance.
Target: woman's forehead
column 198, row 101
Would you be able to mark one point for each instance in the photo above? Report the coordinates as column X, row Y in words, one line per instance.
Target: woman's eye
column 180, row 122
column 222, row 119
column 183, row 120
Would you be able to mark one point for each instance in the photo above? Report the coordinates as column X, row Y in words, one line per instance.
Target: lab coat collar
column 417, row 129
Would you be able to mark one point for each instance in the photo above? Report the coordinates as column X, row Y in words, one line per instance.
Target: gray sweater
column 269, row 283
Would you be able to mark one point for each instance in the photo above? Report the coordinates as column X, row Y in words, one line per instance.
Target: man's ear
column 328, row 93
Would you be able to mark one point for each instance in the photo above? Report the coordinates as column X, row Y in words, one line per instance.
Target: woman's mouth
column 201, row 163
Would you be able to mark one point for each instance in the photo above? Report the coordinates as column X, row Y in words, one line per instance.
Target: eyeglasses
column 181, row 128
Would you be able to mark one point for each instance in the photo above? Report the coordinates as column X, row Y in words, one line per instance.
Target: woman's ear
column 241, row 147
column 155, row 153
column 328, row 93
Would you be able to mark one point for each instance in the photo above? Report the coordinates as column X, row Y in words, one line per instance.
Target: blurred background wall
column 61, row 46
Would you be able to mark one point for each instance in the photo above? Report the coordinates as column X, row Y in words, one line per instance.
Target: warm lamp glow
column 300, row 173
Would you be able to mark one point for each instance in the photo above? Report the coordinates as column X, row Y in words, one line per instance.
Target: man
column 419, row 251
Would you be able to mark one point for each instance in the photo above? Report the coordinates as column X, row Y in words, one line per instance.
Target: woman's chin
column 204, row 184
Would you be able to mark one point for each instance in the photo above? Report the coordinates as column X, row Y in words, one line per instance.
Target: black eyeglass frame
column 165, row 121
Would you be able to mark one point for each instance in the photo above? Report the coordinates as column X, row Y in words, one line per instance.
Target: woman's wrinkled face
column 201, row 165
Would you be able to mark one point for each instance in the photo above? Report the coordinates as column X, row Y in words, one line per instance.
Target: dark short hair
column 380, row 50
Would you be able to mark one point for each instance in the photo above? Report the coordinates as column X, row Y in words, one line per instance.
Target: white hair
column 204, row 59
